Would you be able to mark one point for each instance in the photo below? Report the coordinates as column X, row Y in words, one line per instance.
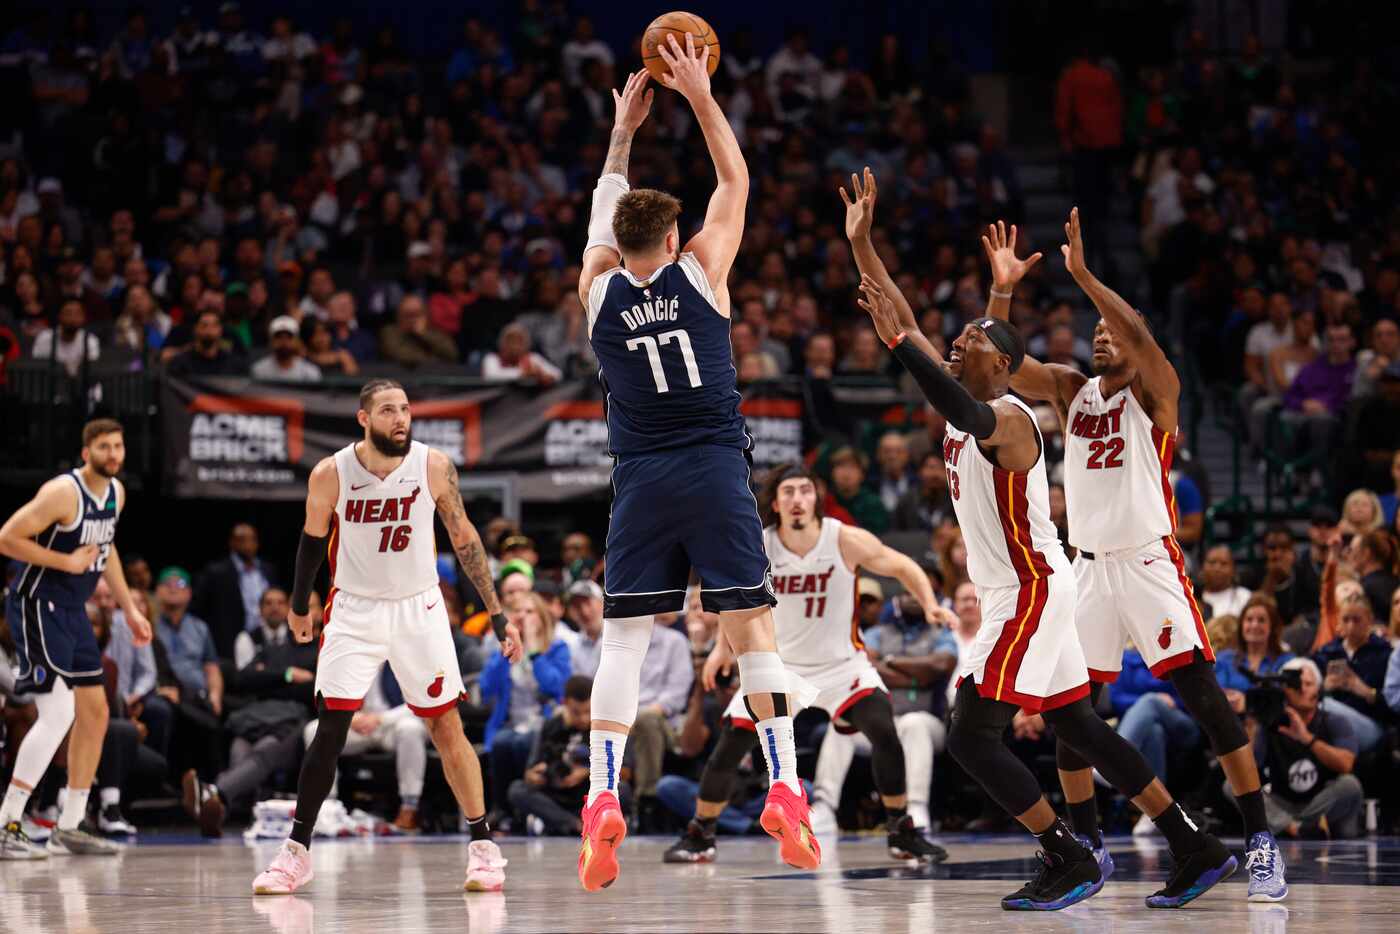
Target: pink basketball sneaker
column 486, row 868
column 290, row 870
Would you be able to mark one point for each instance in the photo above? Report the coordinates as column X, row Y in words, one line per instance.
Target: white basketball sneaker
column 290, row 870
column 486, row 867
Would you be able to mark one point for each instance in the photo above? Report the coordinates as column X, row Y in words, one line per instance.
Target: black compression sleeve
column 311, row 551
column 946, row 394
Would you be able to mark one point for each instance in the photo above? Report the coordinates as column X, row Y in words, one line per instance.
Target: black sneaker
column 1059, row 884
column 1195, row 875
column 694, row 846
column 908, row 842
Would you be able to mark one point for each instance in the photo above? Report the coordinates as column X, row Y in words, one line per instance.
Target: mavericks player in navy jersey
column 63, row 539
column 659, row 325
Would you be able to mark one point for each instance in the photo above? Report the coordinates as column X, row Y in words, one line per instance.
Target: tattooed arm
column 466, row 542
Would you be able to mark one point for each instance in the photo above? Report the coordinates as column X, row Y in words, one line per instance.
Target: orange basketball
column 679, row 24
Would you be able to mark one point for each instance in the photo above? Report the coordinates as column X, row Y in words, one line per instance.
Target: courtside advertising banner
column 229, row 438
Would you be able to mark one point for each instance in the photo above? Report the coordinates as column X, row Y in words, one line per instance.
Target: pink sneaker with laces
column 290, row 870
column 486, row 867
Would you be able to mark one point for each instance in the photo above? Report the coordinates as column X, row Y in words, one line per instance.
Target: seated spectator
column 142, row 326
column 893, row 477
column 952, row 557
column 925, row 507
column 1306, row 762
column 206, row 356
column 551, row 794
column 271, row 629
column 667, row 673
column 1218, row 587
column 1361, row 513
column 287, row 362
column 1373, row 556
column 1354, row 666
column 137, row 686
column 70, row 344
column 322, row 352
column 1390, row 501
column 513, row 362
column 1286, row 576
column 1261, row 650
column 1371, row 362
column 522, row 696
column 384, row 723
column 1315, row 399
column 411, row 341
column 320, row 287
column 1281, row 367
column 848, row 490
column 188, row 644
column 345, row 332
column 267, row 731
column 583, row 602
column 577, row 558
column 915, row 660
column 445, row 305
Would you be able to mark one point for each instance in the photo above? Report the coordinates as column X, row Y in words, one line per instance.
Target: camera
column 1265, row 701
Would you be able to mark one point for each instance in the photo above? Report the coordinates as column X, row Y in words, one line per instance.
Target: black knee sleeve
column 975, row 740
column 1205, row 700
column 318, row 767
column 717, row 780
column 1085, row 732
column 780, row 707
column 1066, row 759
column 873, row 715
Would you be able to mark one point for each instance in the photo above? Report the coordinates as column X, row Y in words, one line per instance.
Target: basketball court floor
column 402, row 886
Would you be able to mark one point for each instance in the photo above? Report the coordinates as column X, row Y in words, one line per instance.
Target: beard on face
column 386, row 445
column 108, row 468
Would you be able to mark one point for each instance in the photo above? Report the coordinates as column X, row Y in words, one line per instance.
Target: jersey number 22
column 653, row 345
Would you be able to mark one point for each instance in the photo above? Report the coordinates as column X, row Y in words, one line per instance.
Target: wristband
column 498, row 626
column 996, row 294
column 287, row 676
column 898, row 339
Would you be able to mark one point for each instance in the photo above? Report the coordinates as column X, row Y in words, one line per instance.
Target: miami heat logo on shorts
column 1164, row 638
column 435, row 688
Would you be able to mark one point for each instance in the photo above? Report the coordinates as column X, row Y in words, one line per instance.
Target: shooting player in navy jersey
column 63, row 538
column 658, row 319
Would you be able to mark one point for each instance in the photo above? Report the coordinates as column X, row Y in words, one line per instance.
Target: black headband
column 1004, row 338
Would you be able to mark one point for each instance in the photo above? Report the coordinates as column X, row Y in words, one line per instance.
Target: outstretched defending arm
column 471, row 554
column 601, row 253
column 862, row 549
column 860, row 216
column 1160, row 383
column 717, row 243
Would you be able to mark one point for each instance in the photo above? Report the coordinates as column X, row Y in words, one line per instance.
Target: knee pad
column 57, row 706
column 1067, row 760
column 332, row 726
column 873, row 716
column 717, row 780
column 618, row 681
column 1205, row 700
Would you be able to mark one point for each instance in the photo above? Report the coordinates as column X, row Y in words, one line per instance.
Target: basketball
column 679, row 24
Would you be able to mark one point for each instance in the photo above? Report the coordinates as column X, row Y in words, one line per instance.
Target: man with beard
column 1120, row 433
column 371, row 506
column 63, row 541
column 207, row 355
column 72, row 342
column 285, row 363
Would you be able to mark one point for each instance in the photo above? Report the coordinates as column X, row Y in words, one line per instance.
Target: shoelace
column 1260, row 863
column 1047, row 865
column 487, row 859
column 285, row 866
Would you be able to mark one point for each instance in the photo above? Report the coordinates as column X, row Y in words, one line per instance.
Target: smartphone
column 1337, row 666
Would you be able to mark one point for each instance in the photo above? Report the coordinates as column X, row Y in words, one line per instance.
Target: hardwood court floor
column 402, row 886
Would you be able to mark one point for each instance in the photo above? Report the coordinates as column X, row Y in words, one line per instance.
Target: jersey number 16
column 653, row 345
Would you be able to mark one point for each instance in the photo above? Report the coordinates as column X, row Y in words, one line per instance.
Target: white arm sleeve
column 600, row 233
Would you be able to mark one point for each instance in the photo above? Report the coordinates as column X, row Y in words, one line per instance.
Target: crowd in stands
column 209, row 200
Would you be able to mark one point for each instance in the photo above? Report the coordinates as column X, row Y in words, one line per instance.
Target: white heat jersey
column 382, row 540
column 815, row 619
column 1117, row 491
column 1004, row 514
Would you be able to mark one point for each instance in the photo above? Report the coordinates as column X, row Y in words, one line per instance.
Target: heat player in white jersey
column 815, row 561
column 1027, row 654
column 1120, row 433
column 370, row 507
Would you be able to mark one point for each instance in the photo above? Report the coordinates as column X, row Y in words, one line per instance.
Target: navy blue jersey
column 96, row 525
column 664, row 360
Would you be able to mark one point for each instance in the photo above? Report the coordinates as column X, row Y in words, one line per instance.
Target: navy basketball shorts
column 677, row 510
column 51, row 641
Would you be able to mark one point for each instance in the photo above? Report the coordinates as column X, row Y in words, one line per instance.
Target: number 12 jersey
column 664, row 360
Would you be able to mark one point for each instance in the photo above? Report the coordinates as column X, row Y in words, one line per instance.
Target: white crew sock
column 110, row 796
column 605, row 750
column 775, row 738
column 74, row 809
column 13, row 808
